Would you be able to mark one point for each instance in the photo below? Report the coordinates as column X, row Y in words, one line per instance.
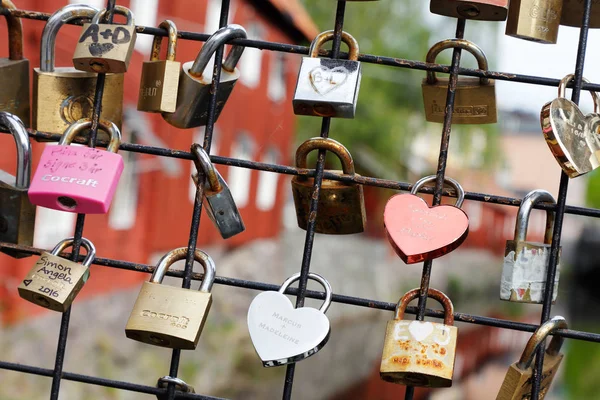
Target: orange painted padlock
column 420, row 353
column 483, row 10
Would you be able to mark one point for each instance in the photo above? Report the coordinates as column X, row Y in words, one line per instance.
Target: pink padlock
column 78, row 179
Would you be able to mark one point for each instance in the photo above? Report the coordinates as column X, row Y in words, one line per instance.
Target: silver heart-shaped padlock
column 571, row 135
column 282, row 334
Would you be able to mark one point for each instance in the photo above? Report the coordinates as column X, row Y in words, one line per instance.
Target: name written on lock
column 117, row 35
column 284, row 323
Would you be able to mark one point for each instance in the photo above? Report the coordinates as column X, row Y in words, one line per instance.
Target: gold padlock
column 534, row 20
column 420, row 353
column 475, row 98
column 169, row 316
column 63, row 95
column 14, row 71
column 53, row 282
column 341, row 208
column 160, row 78
column 517, row 382
column 572, row 13
column 17, row 214
column 105, row 48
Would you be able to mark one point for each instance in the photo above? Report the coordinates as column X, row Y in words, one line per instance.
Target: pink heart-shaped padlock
column 418, row 232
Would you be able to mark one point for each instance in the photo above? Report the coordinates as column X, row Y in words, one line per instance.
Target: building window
column 238, row 179
column 267, row 183
column 250, row 63
column 145, row 12
column 198, row 137
column 276, row 86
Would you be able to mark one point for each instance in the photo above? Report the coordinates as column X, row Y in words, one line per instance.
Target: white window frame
column 268, row 182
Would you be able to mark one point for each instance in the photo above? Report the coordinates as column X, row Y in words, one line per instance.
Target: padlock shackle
column 326, row 36
column 15, row 126
column 204, row 165
column 180, row 254
column 538, row 338
column 216, row 40
column 55, row 22
column 461, row 44
column 101, row 14
column 15, row 32
column 87, row 245
column 460, row 193
column 171, row 29
column 314, row 277
column 180, row 384
column 325, row 144
column 562, row 88
column 531, row 199
column 107, row 126
column 432, row 293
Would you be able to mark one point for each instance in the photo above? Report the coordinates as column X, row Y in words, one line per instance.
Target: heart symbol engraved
column 324, row 79
column 418, row 232
column 282, row 334
column 571, row 136
column 99, row 49
column 420, row 330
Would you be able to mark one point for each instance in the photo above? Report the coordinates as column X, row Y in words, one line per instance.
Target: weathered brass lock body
column 168, row 316
column 14, row 71
column 483, row 10
column 534, row 20
column 341, row 207
column 475, row 98
column 572, row 13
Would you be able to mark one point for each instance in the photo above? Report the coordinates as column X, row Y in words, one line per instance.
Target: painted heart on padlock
column 571, row 136
column 418, row 232
column 282, row 334
column 324, row 79
column 420, row 330
column 99, row 49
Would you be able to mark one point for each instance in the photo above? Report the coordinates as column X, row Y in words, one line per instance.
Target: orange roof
column 296, row 14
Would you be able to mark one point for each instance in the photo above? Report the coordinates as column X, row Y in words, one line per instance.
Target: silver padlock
column 17, row 214
column 180, row 385
column 328, row 87
column 194, row 84
column 526, row 263
column 221, row 208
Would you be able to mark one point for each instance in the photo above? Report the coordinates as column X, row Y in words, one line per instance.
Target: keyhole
column 468, row 10
column 67, row 202
column 97, row 66
column 42, row 301
column 3, row 225
column 158, row 340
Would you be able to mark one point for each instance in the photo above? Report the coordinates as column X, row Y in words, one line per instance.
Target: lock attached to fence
column 14, row 71
column 518, row 379
column 194, row 85
column 17, row 214
column 104, row 48
column 475, row 98
column 221, row 208
column 78, row 179
column 328, row 87
column 54, row 282
column 64, row 95
column 526, row 263
column 534, row 20
column 160, row 78
column 180, row 385
column 168, row 316
column 420, row 353
column 572, row 14
column 483, row 10
column 341, row 208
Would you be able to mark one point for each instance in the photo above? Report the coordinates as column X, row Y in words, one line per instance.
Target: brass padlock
column 194, row 84
column 160, row 78
column 63, row 95
column 475, row 98
column 341, row 208
column 518, row 379
column 483, row 10
column 169, row 316
column 534, row 20
column 14, row 71
column 105, row 48
column 526, row 263
column 221, row 208
column 17, row 214
column 54, row 282
column 572, row 13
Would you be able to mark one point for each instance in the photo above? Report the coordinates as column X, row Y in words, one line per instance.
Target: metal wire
column 319, row 174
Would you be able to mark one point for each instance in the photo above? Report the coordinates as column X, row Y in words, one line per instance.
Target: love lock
column 571, row 135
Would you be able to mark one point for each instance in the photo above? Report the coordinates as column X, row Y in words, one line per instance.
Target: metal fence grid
column 187, row 275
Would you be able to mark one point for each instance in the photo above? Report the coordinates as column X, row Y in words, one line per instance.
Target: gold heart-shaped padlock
column 571, row 135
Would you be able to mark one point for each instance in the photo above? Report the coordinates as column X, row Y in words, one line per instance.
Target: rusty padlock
column 572, row 13
column 420, row 353
column 483, row 10
column 341, row 208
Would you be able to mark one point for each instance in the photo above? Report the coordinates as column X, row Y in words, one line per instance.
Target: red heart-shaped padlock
column 418, row 232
